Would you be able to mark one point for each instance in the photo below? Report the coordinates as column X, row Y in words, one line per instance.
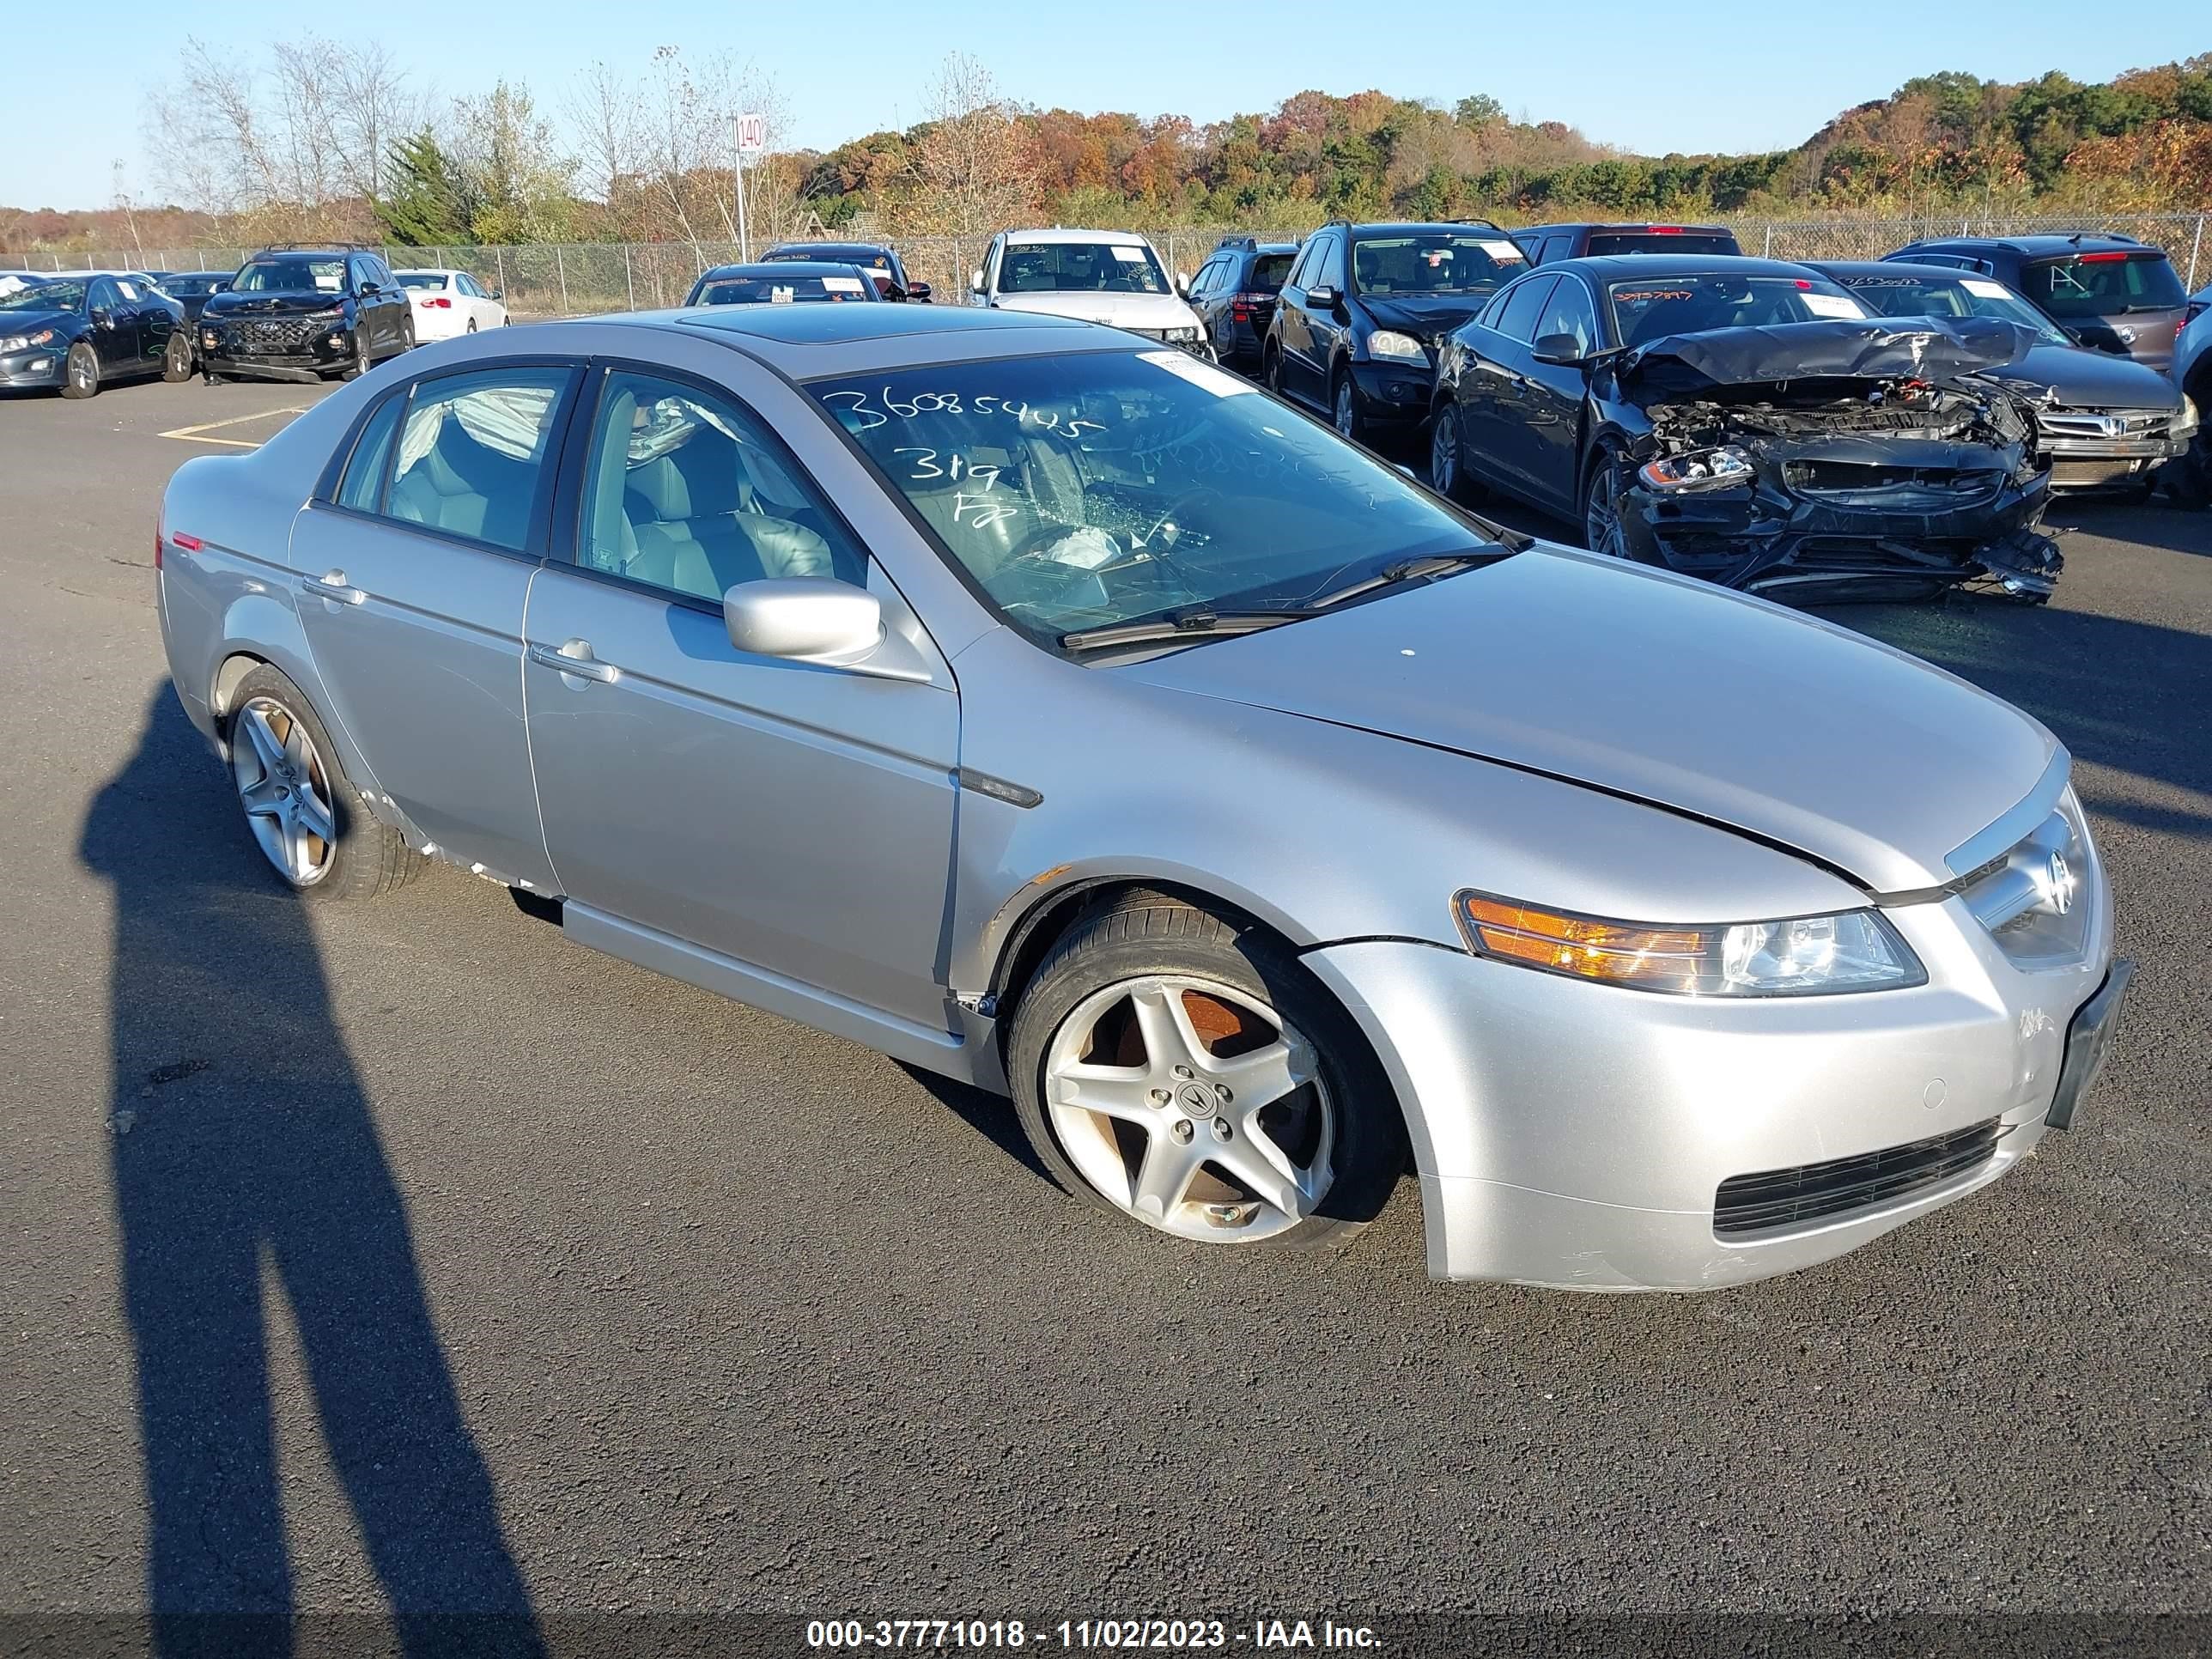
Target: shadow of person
column 243, row 1146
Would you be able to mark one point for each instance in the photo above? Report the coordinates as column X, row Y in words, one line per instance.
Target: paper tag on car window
column 778, row 296
column 1833, row 305
column 1503, row 251
column 1199, row 372
column 1129, row 255
column 1983, row 287
column 840, row 285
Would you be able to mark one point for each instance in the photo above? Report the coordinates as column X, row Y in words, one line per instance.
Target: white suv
column 1110, row 276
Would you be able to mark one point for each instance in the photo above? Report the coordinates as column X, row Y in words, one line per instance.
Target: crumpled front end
column 1898, row 491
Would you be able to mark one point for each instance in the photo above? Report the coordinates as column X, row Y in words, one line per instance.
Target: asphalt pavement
column 412, row 1254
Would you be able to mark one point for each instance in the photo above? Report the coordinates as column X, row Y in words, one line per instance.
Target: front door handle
column 575, row 657
column 333, row 586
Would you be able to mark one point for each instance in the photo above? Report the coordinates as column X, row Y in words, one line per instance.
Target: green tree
column 423, row 205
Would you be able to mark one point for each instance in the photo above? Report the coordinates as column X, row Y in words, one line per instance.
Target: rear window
column 2102, row 284
column 797, row 289
column 1268, row 272
column 1660, row 241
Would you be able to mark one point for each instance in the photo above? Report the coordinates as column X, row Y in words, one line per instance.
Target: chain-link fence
column 575, row 278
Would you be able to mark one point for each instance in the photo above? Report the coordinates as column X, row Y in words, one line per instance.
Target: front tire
column 1447, row 464
column 304, row 814
column 177, row 359
column 1344, row 406
column 1186, row 1072
column 1601, row 532
column 81, row 373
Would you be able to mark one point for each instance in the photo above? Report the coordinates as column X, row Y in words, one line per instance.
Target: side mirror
column 1182, row 283
column 102, row 317
column 499, row 294
column 1325, row 297
column 370, row 290
column 803, row 617
column 1563, row 350
column 918, row 292
column 975, row 281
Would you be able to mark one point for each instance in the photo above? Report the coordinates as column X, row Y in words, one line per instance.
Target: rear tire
column 1184, row 1071
column 81, row 373
column 303, row 812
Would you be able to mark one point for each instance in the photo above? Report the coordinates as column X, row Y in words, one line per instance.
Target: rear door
column 413, row 576
column 785, row 814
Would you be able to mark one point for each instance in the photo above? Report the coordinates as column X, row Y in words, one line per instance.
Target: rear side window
column 472, row 451
column 363, row 487
column 2102, row 284
column 1644, row 241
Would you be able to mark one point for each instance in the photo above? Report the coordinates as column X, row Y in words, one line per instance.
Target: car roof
column 2039, row 245
column 802, row 341
column 1625, row 224
column 1408, row 227
column 832, row 250
column 1626, row 267
column 1030, row 238
column 782, row 270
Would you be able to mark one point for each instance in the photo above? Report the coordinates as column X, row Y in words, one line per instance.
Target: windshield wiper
column 1435, row 564
column 1177, row 625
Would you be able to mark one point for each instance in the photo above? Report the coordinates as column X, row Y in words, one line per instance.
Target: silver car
column 1057, row 711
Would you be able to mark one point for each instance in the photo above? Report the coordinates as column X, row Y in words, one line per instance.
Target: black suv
column 1364, row 309
column 303, row 310
column 881, row 263
column 1234, row 295
column 2107, row 291
column 1543, row 243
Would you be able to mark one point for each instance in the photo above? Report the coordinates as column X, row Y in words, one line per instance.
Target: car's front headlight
column 1388, row 343
column 1701, row 468
column 25, row 342
column 1802, row 956
column 2185, row 424
column 1180, row 335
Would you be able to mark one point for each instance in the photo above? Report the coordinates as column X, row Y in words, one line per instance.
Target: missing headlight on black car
column 1863, row 459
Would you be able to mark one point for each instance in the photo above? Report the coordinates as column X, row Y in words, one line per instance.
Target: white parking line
column 191, row 435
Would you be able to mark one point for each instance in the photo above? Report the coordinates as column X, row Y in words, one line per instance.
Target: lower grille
column 1818, row 1192
column 1947, row 485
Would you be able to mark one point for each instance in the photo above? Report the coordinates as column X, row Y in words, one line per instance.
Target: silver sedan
column 1059, row 713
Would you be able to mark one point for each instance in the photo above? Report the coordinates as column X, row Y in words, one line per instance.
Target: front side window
column 1568, row 312
column 290, row 274
column 105, row 295
column 2102, row 284
column 1651, row 308
column 1518, row 321
column 472, row 452
column 685, row 490
column 1435, row 262
column 1081, row 268
column 1102, row 487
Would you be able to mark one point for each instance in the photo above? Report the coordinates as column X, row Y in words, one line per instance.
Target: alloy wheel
column 1601, row 523
column 84, row 370
column 1192, row 1106
column 285, row 788
column 1443, row 452
column 1347, row 416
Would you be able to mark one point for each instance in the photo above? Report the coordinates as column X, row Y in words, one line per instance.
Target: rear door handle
column 332, row 586
column 575, row 657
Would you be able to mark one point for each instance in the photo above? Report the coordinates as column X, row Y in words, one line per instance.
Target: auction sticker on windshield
column 1983, row 288
column 1832, row 305
column 1504, row 251
column 1183, row 366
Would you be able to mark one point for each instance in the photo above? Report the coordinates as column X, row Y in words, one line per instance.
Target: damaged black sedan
column 1748, row 422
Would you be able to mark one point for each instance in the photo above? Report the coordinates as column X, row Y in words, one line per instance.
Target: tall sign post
column 752, row 141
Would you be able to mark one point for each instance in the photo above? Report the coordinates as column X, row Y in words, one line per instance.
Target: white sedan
column 450, row 302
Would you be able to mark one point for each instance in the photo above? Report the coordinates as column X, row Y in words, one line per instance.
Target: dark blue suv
column 1234, row 295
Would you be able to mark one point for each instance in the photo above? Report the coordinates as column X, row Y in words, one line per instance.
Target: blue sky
column 1652, row 78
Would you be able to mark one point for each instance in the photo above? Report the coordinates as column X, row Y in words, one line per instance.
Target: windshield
column 2102, row 284
column 1081, row 268
column 782, row 289
column 1953, row 296
column 1656, row 306
column 289, row 275
column 1435, row 262
column 1101, row 487
column 1662, row 241
column 45, row 296
column 430, row 279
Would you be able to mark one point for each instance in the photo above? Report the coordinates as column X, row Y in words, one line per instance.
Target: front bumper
column 1392, row 392
column 325, row 351
column 39, row 366
column 1577, row 1135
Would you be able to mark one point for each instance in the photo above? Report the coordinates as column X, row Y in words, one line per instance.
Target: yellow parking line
column 191, row 435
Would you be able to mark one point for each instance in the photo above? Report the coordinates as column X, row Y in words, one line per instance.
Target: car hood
column 1663, row 690
column 1424, row 316
column 1151, row 310
column 1681, row 367
column 2078, row 378
column 30, row 322
column 282, row 302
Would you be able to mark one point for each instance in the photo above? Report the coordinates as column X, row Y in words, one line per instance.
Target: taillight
column 439, row 301
column 157, row 547
column 1663, row 230
column 1240, row 310
column 2097, row 258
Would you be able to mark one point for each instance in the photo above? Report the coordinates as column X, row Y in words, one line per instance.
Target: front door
column 413, row 582
column 115, row 328
column 790, row 815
